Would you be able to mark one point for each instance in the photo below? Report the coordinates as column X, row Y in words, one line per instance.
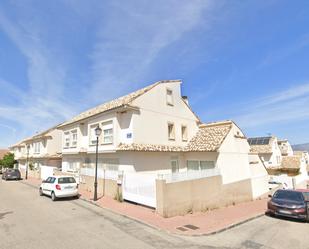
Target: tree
column 8, row 161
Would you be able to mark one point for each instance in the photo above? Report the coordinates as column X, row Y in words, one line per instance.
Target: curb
column 28, row 184
column 125, row 216
column 228, row 227
column 158, row 228
column 175, row 233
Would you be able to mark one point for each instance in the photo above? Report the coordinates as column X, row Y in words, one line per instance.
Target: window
column 193, row 165
column 174, row 165
column 107, row 129
column 207, row 165
column 72, row 166
column 169, row 97
column 171, row 131
column 184, row 133
column 63, row 180
column 93, row 137
column 200, row 165
column 74, row 138
column 37, row 147
column 66, row 139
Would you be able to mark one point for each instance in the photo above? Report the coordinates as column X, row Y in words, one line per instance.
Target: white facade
column 156, row 127
column 42, row 149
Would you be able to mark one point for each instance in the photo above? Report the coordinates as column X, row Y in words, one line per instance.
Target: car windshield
column 290, row 195
column 306, row 195
column 66, row 180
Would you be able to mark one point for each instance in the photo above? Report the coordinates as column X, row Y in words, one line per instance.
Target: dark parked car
column 11, row 174
column 289, row 203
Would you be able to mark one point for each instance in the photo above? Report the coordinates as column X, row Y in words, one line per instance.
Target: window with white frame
column 72, row 166
column 171, row 131
column 184, row 133
column 107, row 131
column 169, row 97
column 74, row 138
column 37, row 147
column 195, row 165
column 67, row 139
column 92, row 135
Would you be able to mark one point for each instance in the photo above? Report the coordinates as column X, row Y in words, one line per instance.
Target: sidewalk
column 191, row 224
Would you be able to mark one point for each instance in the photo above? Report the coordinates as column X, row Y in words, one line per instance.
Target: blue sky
column 241, row 60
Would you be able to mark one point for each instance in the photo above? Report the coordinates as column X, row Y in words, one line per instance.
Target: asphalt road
column 29, row 221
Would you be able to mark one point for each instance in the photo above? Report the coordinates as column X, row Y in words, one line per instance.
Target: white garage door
column 140, row 188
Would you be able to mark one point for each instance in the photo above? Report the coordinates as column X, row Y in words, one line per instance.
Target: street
column 30, row 221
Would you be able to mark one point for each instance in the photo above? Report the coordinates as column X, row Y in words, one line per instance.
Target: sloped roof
column 208, row 138
column 42, row 134
column 263, row 148
column 291, row 162
column 150, row 147
column 119, row 102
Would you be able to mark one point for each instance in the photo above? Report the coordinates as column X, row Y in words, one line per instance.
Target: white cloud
column 290, row 105
column 41, row 104
column 132, row 35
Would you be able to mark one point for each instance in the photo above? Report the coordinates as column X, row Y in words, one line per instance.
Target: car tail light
column 58, row 187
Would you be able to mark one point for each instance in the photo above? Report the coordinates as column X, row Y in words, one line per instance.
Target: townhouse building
column 152, row 141
column 41, row 153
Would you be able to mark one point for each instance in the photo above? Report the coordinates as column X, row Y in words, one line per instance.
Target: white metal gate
column 46, row 171
column 139, row 188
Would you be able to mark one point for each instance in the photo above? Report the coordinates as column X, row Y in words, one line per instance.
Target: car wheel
column 53, row 196
column 307, row 218
column 40, row 192
column 76, row 197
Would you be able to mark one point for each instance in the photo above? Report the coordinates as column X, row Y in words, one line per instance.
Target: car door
column 50, row 185
column 45, row 185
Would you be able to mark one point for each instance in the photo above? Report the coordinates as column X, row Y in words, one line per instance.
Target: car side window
column 52, row 179
column 47, row 180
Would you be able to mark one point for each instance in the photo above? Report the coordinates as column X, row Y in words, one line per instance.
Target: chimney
column 185, row 98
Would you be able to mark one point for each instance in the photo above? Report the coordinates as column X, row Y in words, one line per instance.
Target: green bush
column 8, row 161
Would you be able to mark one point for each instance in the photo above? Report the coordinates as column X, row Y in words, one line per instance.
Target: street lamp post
column 27, row 165
column 98, row 132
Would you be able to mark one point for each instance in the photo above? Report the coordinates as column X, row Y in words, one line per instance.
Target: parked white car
column 59, row 187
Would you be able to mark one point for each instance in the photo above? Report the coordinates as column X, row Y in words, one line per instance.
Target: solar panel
column 259, row 140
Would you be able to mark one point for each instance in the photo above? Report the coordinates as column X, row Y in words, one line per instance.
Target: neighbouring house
column 158, row 152
column 282, row 164
column 285, row 147
column 268, row 150
column 41, row 153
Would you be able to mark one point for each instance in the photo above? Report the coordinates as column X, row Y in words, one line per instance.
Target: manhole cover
column 191, row 227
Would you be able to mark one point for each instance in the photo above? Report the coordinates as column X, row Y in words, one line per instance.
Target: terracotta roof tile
column 150, row 147
column 291, row 162
column 209, row 137
column 119, row 102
